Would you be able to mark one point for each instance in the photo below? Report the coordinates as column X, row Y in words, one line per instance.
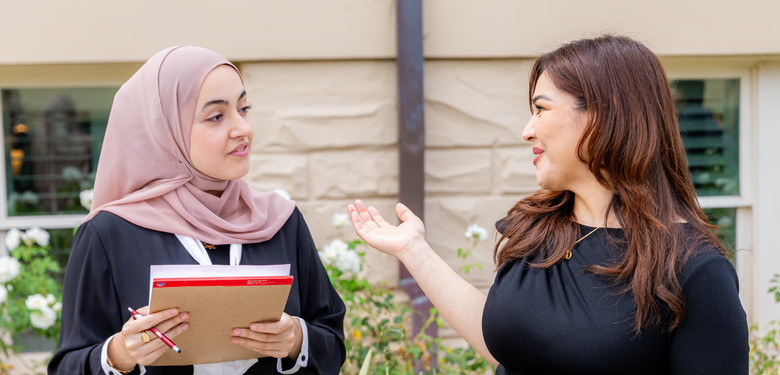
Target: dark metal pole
column 411, row 137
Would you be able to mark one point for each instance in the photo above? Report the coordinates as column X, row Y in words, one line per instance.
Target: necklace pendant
column 208, row 245
column 568, row 255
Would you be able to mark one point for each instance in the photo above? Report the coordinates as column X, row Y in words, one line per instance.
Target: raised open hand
column 381, row 235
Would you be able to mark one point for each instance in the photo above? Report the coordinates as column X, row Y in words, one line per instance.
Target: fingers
column 277, row 339
column 376, row 216
column 360, row 214
column 167, row 327
column 147, row 321
column 164, row 321
column 404, row 213
column 361, row 219
column 170, row 322
column 354, row 216
column 362, row 211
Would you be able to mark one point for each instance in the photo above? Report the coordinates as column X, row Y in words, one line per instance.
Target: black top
column 108, row 271
column 563, row 320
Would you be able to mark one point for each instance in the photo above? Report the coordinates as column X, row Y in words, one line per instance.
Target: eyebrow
column 540, row 96
column 222, row 101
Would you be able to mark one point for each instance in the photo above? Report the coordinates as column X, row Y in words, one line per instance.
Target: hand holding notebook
column 218, row 299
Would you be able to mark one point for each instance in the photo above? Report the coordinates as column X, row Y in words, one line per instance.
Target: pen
column 157, row 332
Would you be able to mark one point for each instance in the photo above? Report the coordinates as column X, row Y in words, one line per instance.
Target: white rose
column 331, row 251
column 85, row 198
column 13, row 238
column 36, row 302
column 43, row 318
column 9, row 268
column 340, row 219
column 57, row 306
column 337, row 245
column 36, row 235
column 475, row 231
column 283, row 193
column 3, row 294
column 327, row 257
column 50, row 299
column 348, row 261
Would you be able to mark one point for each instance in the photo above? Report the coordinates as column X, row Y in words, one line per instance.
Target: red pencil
column 157, row 332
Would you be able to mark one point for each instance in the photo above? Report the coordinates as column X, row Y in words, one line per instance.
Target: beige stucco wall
column 500, row 28
column 244, row 30
column 109, row 31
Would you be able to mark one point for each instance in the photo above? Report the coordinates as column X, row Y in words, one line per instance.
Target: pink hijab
column 145, row 174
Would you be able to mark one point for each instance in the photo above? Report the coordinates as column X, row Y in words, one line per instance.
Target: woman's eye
column 537, row 109
column 215, row 118
column 245, row 109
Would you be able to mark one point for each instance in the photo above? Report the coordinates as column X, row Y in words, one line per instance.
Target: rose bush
column 30, row 296
column 378, row 335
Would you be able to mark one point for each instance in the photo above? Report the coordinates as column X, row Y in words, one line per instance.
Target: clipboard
column 217, row 305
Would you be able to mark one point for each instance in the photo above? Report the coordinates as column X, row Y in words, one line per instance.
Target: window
column 709, row 116
column 711, row 124
column 708, row 112
column 52, row 143
column 52, row 139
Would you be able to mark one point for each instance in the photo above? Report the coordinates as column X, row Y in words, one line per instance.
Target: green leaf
column 366, row 363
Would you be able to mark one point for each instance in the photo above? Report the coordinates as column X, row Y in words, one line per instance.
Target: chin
column 232, row 175
column 546, row 185
column 238, row 176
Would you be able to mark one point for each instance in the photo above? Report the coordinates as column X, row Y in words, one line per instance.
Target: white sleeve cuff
column 107, row 369
column 303, row 357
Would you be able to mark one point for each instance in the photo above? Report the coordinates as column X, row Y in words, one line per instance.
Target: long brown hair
column 633, row 147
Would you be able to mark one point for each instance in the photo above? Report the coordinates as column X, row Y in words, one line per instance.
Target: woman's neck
column 591, row 205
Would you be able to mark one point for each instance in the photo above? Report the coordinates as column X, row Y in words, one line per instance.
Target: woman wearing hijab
column 169, row 190
column 610, row 268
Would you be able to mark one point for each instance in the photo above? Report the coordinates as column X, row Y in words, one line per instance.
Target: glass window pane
column 726, row 219
column 708, row 112
column 52, row 143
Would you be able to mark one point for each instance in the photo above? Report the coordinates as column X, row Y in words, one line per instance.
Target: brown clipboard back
column 214, row 311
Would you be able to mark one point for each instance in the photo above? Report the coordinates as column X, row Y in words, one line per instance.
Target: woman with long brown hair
column 610, row 268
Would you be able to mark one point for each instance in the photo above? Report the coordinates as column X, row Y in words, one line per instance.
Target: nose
column 241, row 127
column 529, row 131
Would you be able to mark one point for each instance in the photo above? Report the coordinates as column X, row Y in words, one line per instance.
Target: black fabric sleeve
column 713, row 338
column 321, row 308
column 89, row 305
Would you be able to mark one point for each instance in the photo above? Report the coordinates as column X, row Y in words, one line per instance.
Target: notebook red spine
column 221, row 281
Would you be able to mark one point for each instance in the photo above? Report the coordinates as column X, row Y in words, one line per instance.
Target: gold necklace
column 568, row 252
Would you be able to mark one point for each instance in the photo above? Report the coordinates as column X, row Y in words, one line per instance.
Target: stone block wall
column 326, row 132
column 476, row 163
